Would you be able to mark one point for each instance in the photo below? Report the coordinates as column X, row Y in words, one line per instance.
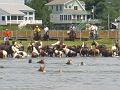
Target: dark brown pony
column 84, row 51
column 106, row 53
column 46, row 36
column 72, row 35
column 1, row 54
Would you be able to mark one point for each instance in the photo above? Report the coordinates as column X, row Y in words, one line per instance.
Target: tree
column 41, row 10
column 103, row 8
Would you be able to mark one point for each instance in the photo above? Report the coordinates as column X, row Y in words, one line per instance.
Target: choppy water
column 98, row 73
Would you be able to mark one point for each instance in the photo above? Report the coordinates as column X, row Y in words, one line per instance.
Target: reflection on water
column 98, row 73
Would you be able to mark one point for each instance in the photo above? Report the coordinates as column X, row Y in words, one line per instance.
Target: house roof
column 79, row 12
column 61, row 2
column 15, row 9
column 55, row 2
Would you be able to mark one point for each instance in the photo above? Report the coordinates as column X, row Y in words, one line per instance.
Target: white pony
column 3, row 54
column 35, row 52
column 17, row 53
column 66, row 50
column 57, row 43
column 59, row 53
column 114, row 50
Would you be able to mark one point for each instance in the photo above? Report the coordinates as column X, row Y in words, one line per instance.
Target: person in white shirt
column 46, row 34
column 46, row 29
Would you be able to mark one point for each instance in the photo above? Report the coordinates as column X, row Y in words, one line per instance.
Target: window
column 65, row 17
column 69, row 17
column 74, row 16
column 8, row 17
column 78, row 17
column 57, row 8
column 3, row 18
column 30, row 18
column 25, row 18
column 83, row 17
column 52, row 7
column 30, row 13
column 25, row 13
column 20, row 17
column 61, row 17
column 60, row 7
column 65, row 6
column 13, row 17
column 69, row 6
column 75, row 7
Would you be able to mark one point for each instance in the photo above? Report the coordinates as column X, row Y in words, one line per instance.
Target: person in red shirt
column 7, row 35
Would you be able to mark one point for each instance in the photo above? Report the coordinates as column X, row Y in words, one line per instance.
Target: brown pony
column 94, row 52
column 37, row 36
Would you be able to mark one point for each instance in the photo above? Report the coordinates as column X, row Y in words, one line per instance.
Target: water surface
column 98, row 73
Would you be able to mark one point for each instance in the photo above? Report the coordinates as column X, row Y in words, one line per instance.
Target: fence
column 57, row 34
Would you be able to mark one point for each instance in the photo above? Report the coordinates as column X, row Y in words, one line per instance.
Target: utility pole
column 108, row 17
column 119, row 33
column 108, row 24
column 93, row 12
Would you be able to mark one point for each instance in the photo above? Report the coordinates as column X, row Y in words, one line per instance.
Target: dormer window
column 65, row 6
column 75, row 7
column 69, row 6
column 60, row 7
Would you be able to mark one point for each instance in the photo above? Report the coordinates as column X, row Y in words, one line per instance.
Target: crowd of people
column 37, row 35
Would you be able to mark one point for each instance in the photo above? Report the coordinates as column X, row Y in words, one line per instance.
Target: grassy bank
column 107, row 42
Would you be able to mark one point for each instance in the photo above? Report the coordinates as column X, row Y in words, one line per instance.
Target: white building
column 67, row 11
column 16, row 12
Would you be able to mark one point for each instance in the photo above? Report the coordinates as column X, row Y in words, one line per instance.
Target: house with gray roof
column 66, row 12
column 16, row 12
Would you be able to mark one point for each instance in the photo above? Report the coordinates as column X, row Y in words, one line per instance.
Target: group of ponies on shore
column 58, row 49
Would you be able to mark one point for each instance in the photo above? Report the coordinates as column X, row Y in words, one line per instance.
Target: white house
column 67, row 11
column 16, row 12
